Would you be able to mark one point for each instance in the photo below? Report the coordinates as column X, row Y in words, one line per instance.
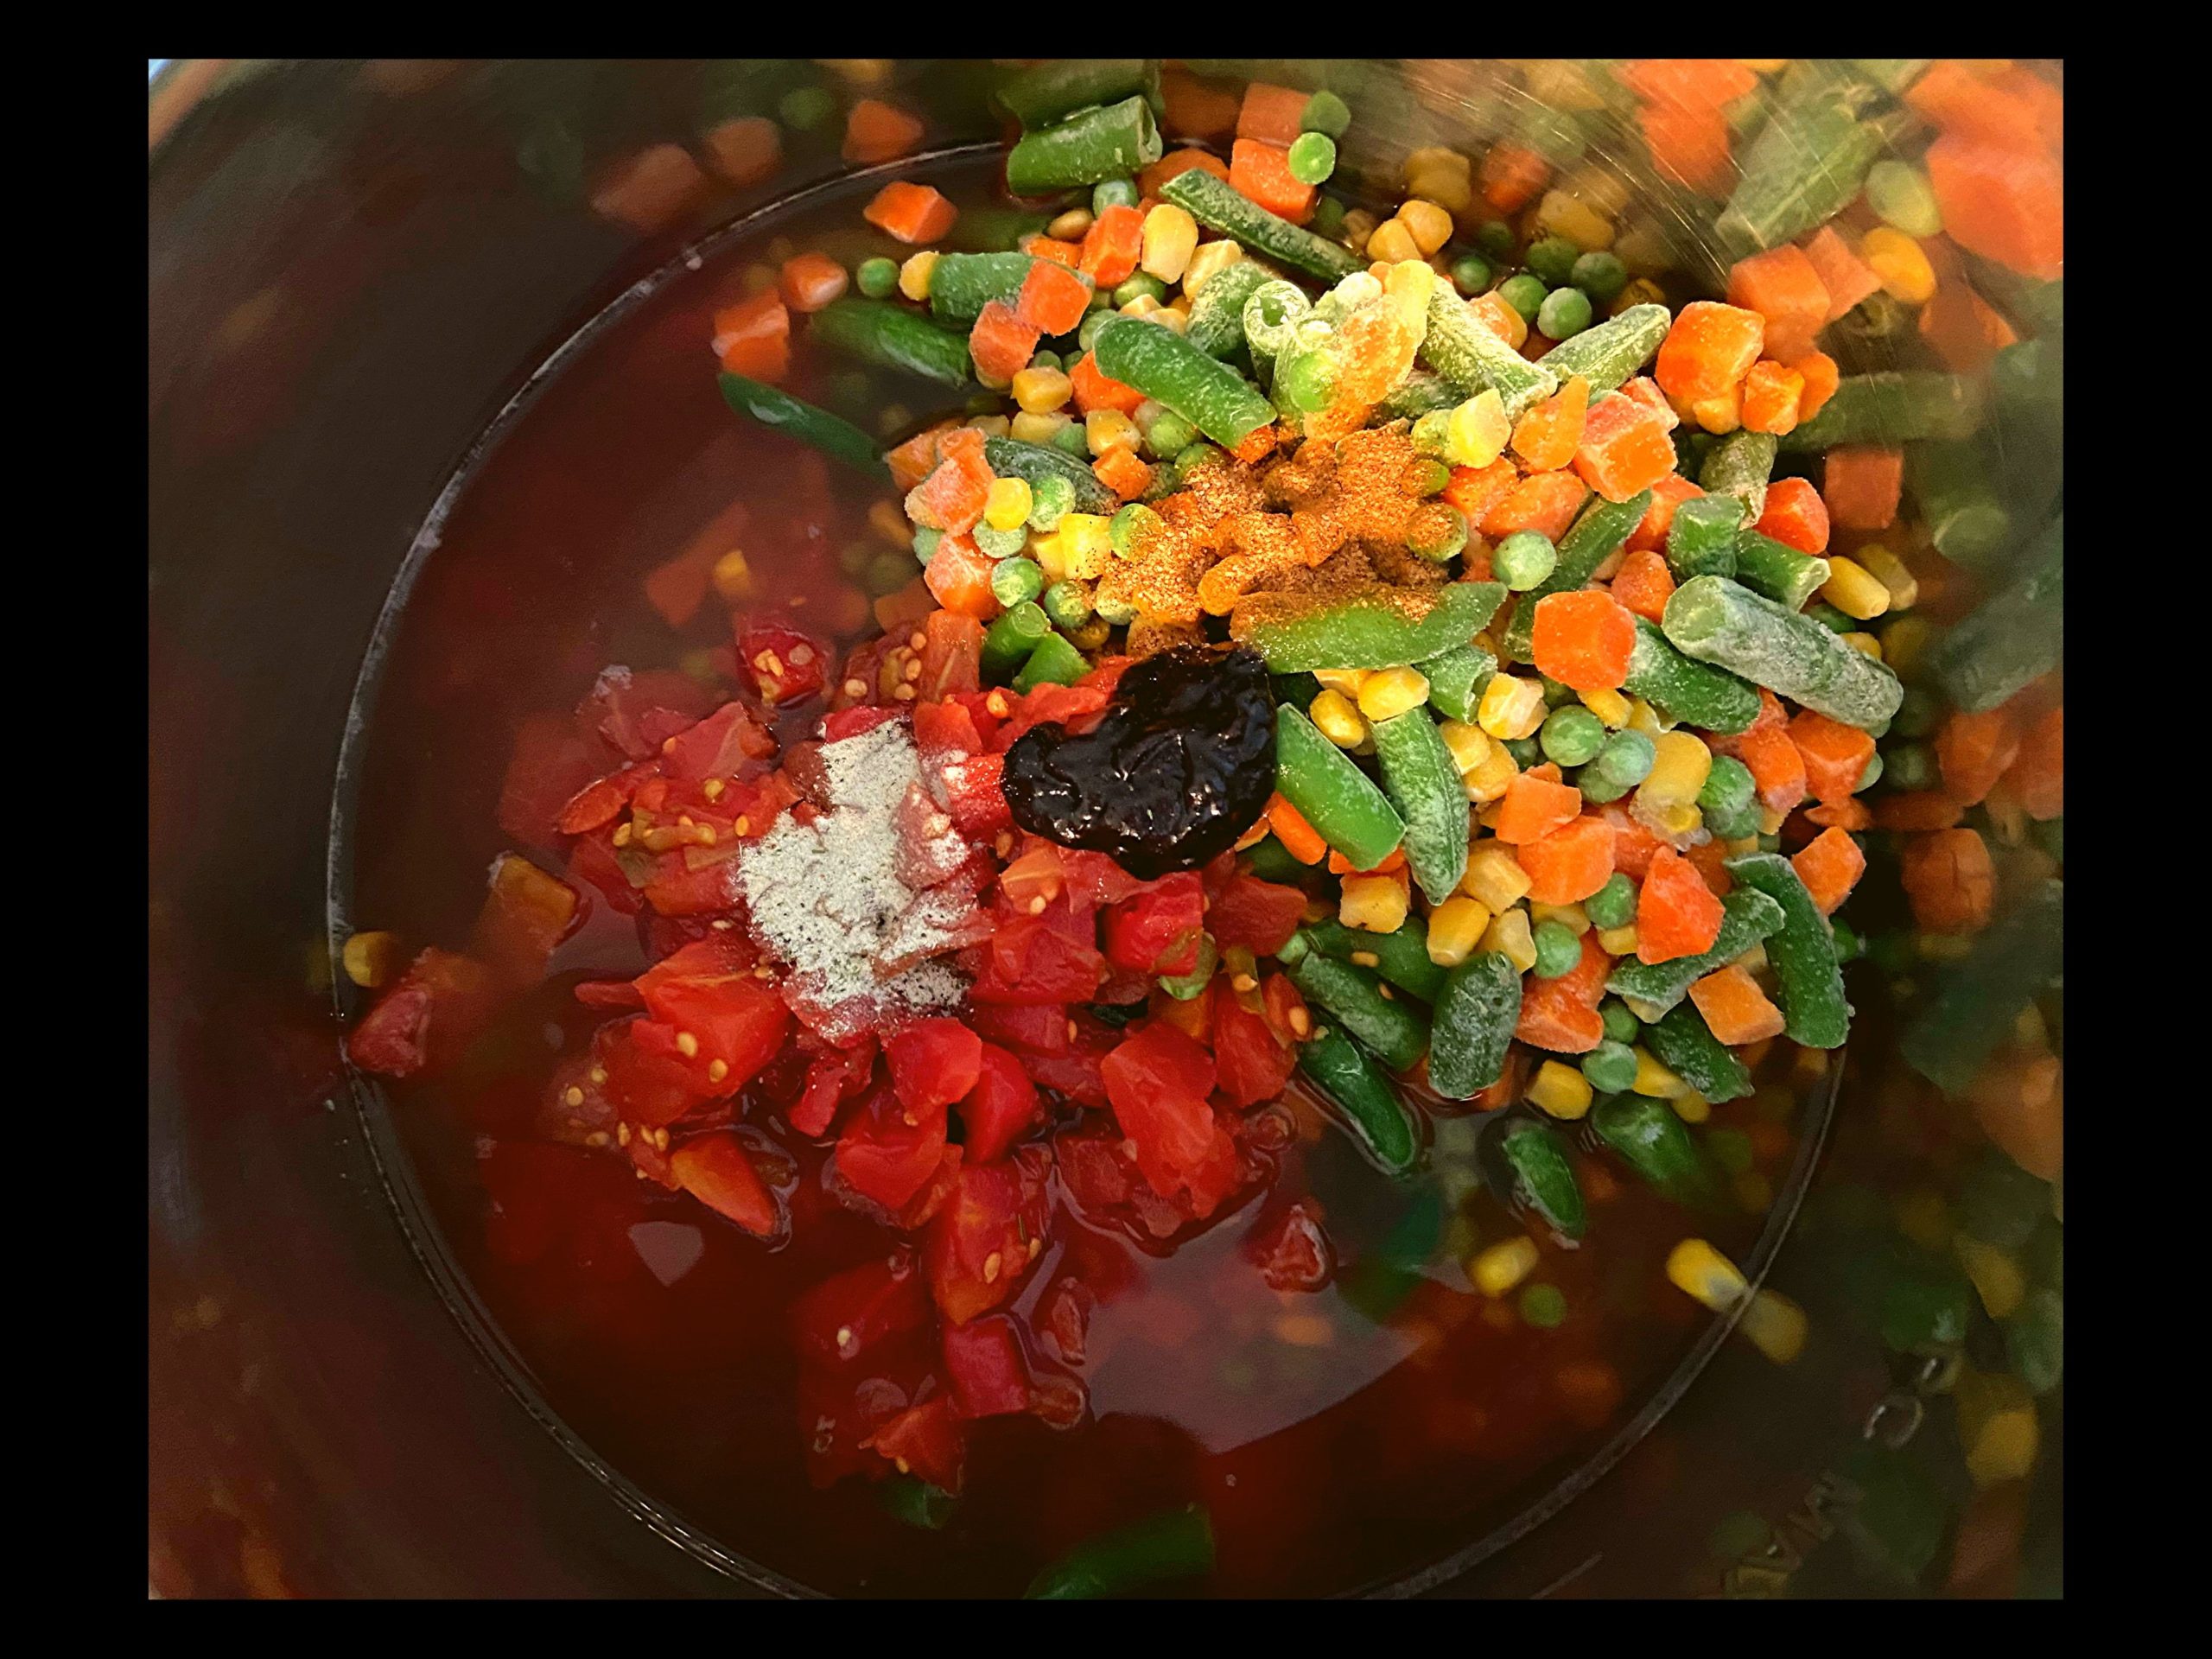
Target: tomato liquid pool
column 1339, row 1438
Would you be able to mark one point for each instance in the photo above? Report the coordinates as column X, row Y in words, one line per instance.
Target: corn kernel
column 1492, row 776
column 1006, row 503
column 1392, row 241
column 1428, row 223
column 1643, row 248
column 1392, row 692
column 1503, row 1265
column 1650, row 1012
column 1514, row 708
column 1338, row 718
column 1655, row 1079
column 1036, row 428
column 1495, row 876
column 914, row 274
column 1455, row 927
column 1169, row 318
column 1691, row 1107
column 1562, row 215
column 1206, row 263
column 1776, row 1326
column 1070, row 227
column 1996, row 1277
column 1597, row 184
column 1675, row 820
column 1040, row 392
column 1680, row 764
column 371, row 957
column 1410, row 284
column 1997, row 1425
column 1720, row 414
column 1375, row 903
column 1508, row 934
column 733, row 577
column 1753, row 960
column 1643, row 717
column 1899, row 263
column 1142, row 306
column 1763, row 65
column 1478, row 431
column 1617, row 941
column 1694, row 1268
column 1467, row 744
column 1890, row 570
column 1105, row 430
column 1560, row 1091
column 1570, row 917
column 1770, row 821
column 1346, row 680
column 1640, row 291
column 1905, row 640
column 1855, row 590
column 1609, row 707
column 1562, row 84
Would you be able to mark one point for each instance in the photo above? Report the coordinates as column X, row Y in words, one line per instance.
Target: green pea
column 1572, row 735
column 1326, row 113
column 804, row 108
column 1599, row 274
column 1015, row 580
column 1086, row 335
column 1051, row 498
column 1114, row 193
column 1621, row 1026
column 856, row 557
column 1849, row 946
column 1614, row 904
column 1438, row 531
column 1524, row 560
column 1544, row 1306
column 1524, row 293
column 1327, row 218
column 1627, row 758
column 1919, row 712
column 1431, row 434
column 1312, row 157
column 1524, row 751
column 1067, row 603
column 1731, row 1149
column 1769, row 843
column 1427, row 476
column 1734, row 823
column 1000, row 543
column 1471, row 273
column 1557, row 693
column 1564, row 313
column 925, row 541
column 1557, row 949
column 888, row 574
column 1169, row 434
column 1900, row 196
column 877, row 277
column 1495, row 238
column 1728, row 786
column 1551, row 259
column 1142, row 286
column 1048, row 359
column 1132, row 528
column 1072, row 440
column 1598, row 789
column 1194, row 456
column 1611, row 1066
column 1306, row 380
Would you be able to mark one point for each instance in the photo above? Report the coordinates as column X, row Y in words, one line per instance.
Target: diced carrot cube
column 1570, row 863
column 1796, row 516
column 1111, row 246
column 1510, row 177
column 1643, row 583
column 1919, row 809
column 1778, row 769
column 1950, row 879
column 1646, row 392
column 1273, row 114
column 1261, row 172
column 1829, row 865
column 959, row 577
column 1690, row 83
column 1194, row 110
column 910, row 463
column 1500, row 318
column 1973, row 751
column 1708, row 351
column 1094, row 390
column 2001, row 204
column 1001, row 343
column 651, row 191
column 1853, row 814
column 1964, row 330
column 876, row 132
column 1544, row 502
column 1676, row 913
column 1053, row 298
column 1120, row 471
column 1771, row 394
column 1583, row 639
column 1861, row 483
column 1782, row 286
column 754, row 338
column 1847, row 279
column 809, row 281
column 1835, row 756
column 1735, row 1010
column 1689, row 146
column 1474, row 490
column 1548, row 433
column 1554, row 1018
column 1051, row 248
column 1177, row 161
column 746, row 150
column 2037, row 777
column 1625, row 449
column 1822, row 377
column 1669, row 493
column 910, row 212
column 1535, row 805
column 1950, row 96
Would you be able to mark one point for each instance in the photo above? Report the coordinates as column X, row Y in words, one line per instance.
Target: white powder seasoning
column 826, row 896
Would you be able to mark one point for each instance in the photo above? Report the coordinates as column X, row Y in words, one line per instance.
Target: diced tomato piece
column 983, row 1363
column 933, row 1063
column 1252, row 1064
column 736, row 1020
column 777, row 663
column 1158, row 1081
column 525, row 916
column 552, row 763
column 426, row 1017
column 1261, row 915
column 980, row 1245
column 927, row 1440
column 849, row 723
column 1292, row 1252
column 637, row 713
column 840, row 1319
column 713, row 1169
column 889, row 1151
column 1157, row 931
column 975, row 795
column 832, row 1078
column 1031, row 963
column 1039, row 1030
column 1001, row 1107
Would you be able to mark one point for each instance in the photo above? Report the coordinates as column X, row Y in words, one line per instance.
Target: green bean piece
column 1047, row 93
column 1802, row 949
column 1395, row 1030
column 1055, row 660
column 1681, row 1042
column 1219, row 206
column 2016, row 635
column 1806, row 165
column 914, row 1500
column 961, row 284
column 1466, row 354
column 1217, row 319
column 1894, row 406
column 1423, row 782
column 1109, row 142
column 1379, row 627
column 1010, row 639
column 879, row 332
column 1176, row 1545
column 1401, row 958
column 1543, row 1175
column 1719, row 621
column 1032, row 463
column 1778, row 570
column 1269, row 321
column 1609, row 355
column 1347, row 1077
column 1740, row 465
column 1974, row 1006
column 1747, row 917
column 1332, row 794
column 1422, row 392
column 1456, row 679
column 2035, row 1340
column 1959, row 496
column 781, row 412
column 1701, row 542
column 1650, row 1136
column 1601, row 531
column 1381, row 1280
column 1168, row 369
column 1471, row 1025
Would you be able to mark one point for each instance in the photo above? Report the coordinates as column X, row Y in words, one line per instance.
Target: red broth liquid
column 1339, row 1439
